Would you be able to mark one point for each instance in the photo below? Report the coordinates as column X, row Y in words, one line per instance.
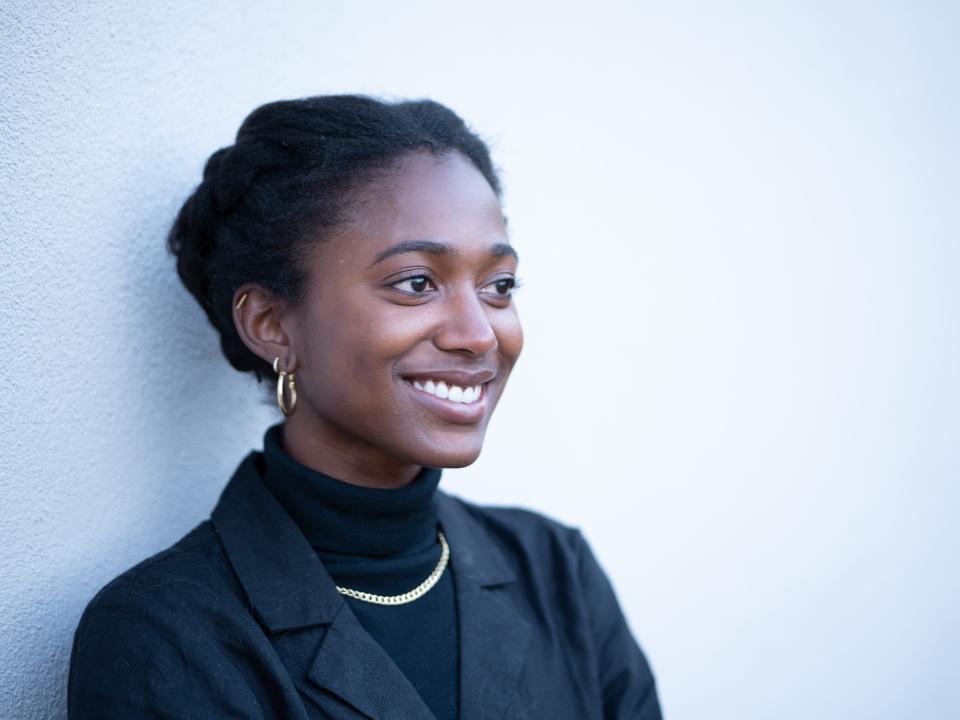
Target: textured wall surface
column 739, row 233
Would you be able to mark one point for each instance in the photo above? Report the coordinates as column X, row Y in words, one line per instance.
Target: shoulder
column 540, row 550
column 520, row 523
column 532, row 543
column 150, row 635
column 191, row 568
column 565, row 593
column 159, row 604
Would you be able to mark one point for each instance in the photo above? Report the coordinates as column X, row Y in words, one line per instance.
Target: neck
column 320, row 446
column 340, row 518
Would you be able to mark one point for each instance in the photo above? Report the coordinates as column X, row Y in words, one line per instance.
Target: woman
column 356, row 252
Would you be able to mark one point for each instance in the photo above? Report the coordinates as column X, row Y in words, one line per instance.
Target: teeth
column 453, row 393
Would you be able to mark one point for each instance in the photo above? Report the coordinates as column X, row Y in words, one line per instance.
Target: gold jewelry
column 410, row 595
column 291, row 386
column 241, row 301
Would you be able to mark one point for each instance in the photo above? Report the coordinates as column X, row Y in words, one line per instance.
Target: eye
column 414, row 285
column 501, row 288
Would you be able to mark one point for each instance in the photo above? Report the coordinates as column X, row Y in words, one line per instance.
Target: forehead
column 425, row 197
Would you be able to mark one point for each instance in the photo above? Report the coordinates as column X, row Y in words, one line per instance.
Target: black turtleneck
column 384, row 542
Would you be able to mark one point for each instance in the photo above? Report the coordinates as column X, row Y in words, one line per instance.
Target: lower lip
column 454, row 412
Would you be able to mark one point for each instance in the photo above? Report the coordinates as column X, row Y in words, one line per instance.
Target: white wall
column 739, row 231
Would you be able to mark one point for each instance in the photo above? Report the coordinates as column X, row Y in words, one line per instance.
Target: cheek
column 395, row 330
column 354, row 346
column 510, row 337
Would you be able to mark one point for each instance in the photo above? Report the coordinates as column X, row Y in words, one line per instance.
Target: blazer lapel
column 494, row 638
column 353, row 666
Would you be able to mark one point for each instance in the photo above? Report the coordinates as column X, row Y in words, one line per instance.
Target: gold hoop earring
column 291, row 388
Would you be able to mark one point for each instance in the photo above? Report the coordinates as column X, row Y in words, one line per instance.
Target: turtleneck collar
column 343, row 519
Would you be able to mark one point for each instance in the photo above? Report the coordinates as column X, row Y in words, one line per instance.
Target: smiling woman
column 356, row 250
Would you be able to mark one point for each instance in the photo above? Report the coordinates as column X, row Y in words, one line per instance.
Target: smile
column 458, row 404
column 451, row 393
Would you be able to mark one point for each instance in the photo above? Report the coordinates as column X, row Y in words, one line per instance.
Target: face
column 408, row 332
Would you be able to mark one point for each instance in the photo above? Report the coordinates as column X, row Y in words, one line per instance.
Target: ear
column 258, row 315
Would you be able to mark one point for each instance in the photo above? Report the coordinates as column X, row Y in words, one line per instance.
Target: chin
column 449, row 455
column 457, row 461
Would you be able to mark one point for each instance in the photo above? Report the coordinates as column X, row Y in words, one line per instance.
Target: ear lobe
column 256, row 315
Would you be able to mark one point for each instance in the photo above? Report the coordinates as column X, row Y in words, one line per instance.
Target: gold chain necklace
column 410, row 595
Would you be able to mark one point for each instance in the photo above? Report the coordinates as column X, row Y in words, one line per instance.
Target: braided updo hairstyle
column 288, row 181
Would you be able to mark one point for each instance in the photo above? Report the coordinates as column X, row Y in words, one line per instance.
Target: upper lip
column 453, row 377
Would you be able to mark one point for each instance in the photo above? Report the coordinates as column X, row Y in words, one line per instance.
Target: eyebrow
column 436, row 248
column 504, row 249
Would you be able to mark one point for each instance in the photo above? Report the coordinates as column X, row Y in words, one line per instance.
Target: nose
column 465, row 326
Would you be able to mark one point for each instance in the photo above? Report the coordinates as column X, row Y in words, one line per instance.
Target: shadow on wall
column 181, row 418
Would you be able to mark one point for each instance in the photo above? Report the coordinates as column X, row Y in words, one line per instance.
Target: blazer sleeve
column 144, row 652
column 628, row 686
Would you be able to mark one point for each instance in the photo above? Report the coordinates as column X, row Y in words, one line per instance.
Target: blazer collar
column 494, row 636
column 286, row 583
column 475, row 556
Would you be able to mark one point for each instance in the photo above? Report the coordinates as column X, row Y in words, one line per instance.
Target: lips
column 457, row 397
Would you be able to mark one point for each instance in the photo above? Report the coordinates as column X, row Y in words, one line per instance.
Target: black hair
column 286, row 182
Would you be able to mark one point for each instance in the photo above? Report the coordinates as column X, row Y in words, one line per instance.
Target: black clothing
column 241, row 619
column 338, row 518
column 384, row 542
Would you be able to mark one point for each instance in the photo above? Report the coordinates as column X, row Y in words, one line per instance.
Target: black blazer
column 240, row 619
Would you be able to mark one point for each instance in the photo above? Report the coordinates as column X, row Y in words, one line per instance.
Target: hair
column 288, row 180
